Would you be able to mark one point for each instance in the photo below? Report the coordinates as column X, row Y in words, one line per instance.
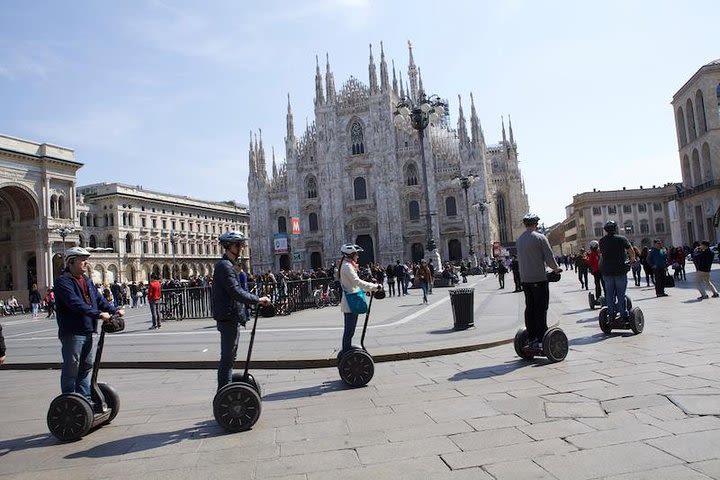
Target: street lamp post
column 64, row 232
column 418, row 116
column 465, row 182
column 172, row 244
column 481, row 207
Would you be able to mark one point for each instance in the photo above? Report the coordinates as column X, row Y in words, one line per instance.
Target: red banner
column 295, row 225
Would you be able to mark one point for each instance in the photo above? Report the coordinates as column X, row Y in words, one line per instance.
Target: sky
column 164, row 94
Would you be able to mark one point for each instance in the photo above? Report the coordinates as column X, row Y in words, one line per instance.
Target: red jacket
column 154, row 290
column 593, row 259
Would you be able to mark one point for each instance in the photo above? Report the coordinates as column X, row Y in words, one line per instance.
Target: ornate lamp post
column 417, row 116
column 481, row 207
column 64, row 232
column 465, row 181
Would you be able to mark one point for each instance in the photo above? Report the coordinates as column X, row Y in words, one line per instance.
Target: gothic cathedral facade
column 352, row 176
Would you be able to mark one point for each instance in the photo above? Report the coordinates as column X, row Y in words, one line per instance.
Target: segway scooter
column 356, row 366
column 634, row 322
column 237, row 405
column 71, row 416
column 600, row 301
column 554, row 344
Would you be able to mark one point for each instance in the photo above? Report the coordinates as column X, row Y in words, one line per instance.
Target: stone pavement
column 619, row 407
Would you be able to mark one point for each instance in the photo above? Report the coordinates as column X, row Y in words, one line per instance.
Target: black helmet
column 379, row 294
column 531, row 219
column 229, row 238
column 611, row 227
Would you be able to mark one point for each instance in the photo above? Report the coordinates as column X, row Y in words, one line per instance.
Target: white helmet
column 73, row 252
column 594, row 244
column 350, row 248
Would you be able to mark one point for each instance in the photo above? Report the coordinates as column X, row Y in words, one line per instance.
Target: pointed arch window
column 282, row 225
column 110, row 242
column 414, row 210
column 93, row 241
column 82, row 220
column 700, row 107
column 360, row 188
column 313, row 222
column 680, row 119
column 502, row 219
column 450, row 207
column 357, row 138
column 128, row 243
column 311, row 187
column 690, row 114
column 411, row 175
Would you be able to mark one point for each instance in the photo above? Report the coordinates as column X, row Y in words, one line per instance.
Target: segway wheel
column 237, row 407
column 604, row 322
column 628, row 303
column 591, row 300
column 254, row 383
column 111, row 398
column 555, row 345
column 356, row 368
column 521, row 342
column 70, row 417
column 637, row 320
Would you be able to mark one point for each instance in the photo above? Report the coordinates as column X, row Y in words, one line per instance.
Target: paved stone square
column 619, row 407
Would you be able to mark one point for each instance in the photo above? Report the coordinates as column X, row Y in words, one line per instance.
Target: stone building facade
column 642, row 215
column 39, row 199
column 352, row 176
column 697, row 121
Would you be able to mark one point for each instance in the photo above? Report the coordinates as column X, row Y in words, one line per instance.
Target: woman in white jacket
column 351, row 283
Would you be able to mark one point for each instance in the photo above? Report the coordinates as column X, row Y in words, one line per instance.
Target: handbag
column 357, row 301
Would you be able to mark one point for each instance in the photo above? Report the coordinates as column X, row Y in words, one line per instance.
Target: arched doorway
column 31, row 271
column 165, row 272
column 285, row 262
column 367, row 256
column 417, row 252
column 18, row 211
column 315, row 260
column 454, row 250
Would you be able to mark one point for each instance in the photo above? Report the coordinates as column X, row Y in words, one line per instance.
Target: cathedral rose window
column 357, row 138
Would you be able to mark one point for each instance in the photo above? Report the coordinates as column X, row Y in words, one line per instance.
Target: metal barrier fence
column 293, row 296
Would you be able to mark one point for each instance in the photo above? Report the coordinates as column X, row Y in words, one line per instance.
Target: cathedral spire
column 402, row 91
column 395, row 84
column 462, row 127
column 502, row 119
column 421, row 90
column 251, row 157
column 290, row 122
column 372, row 74
column 512, row 140
column 329, row 81
column 475, row 127
column 319, row 96
column 412, row 74
column 384, row 83
column 274, row 165
column 262, row 166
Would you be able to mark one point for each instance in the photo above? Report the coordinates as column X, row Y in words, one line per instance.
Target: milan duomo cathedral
column 353, row 176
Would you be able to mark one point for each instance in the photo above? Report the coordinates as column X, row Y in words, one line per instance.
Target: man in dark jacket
column 79, row 306
column 228, row 301
column 703, row 257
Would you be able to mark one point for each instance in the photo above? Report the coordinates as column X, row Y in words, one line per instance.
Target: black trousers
column 537, row 299
column 659, row 274
column 599, row 285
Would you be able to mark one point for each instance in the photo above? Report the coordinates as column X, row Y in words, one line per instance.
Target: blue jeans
column 350, row 324
column 229, row 335
column 78, row 352
column 615, row 286
column 425, row 288
column 155, row 313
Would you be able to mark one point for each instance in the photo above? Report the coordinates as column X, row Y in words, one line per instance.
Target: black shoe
column 153, row 327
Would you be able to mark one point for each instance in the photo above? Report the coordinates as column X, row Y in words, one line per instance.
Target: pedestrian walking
column 702, row 256
column 515, row 267
column 593, row 260
column 35, row 300
column 154, row 292
column 657, row 258
column 229, row 300
column 425, row 276
column 534, row 254
column 582, row 267
column 79, row 307
column 501, row 271
column 50, row 302
column 390, row 274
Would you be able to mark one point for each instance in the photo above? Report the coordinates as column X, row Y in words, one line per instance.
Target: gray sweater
column 534, row 252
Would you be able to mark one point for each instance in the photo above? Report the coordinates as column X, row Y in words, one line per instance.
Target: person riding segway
column 534, row 254
column 237, row 402
column 355, row 364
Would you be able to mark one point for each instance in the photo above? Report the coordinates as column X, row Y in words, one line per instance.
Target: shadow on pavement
column 148, row 441
column 598, row 337
column 26, row 443
column 443, row 331
column 497, row 370
column 573, row 312
column 587, row 320
column 325, row 387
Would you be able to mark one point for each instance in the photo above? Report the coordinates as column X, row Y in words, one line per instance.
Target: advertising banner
column 295, row 225
column 280, row 244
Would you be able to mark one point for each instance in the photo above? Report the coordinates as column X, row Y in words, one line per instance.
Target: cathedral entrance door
column 285, row 262
column 315, row 260
column 368, row 255
column 454, row 250
column 417, row 251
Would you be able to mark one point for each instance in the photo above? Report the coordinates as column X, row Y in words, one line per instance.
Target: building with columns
column 131, row 232
column 353, row 176
column 697, row 121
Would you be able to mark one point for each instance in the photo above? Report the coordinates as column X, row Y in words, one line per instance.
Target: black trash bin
column 462, row 307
